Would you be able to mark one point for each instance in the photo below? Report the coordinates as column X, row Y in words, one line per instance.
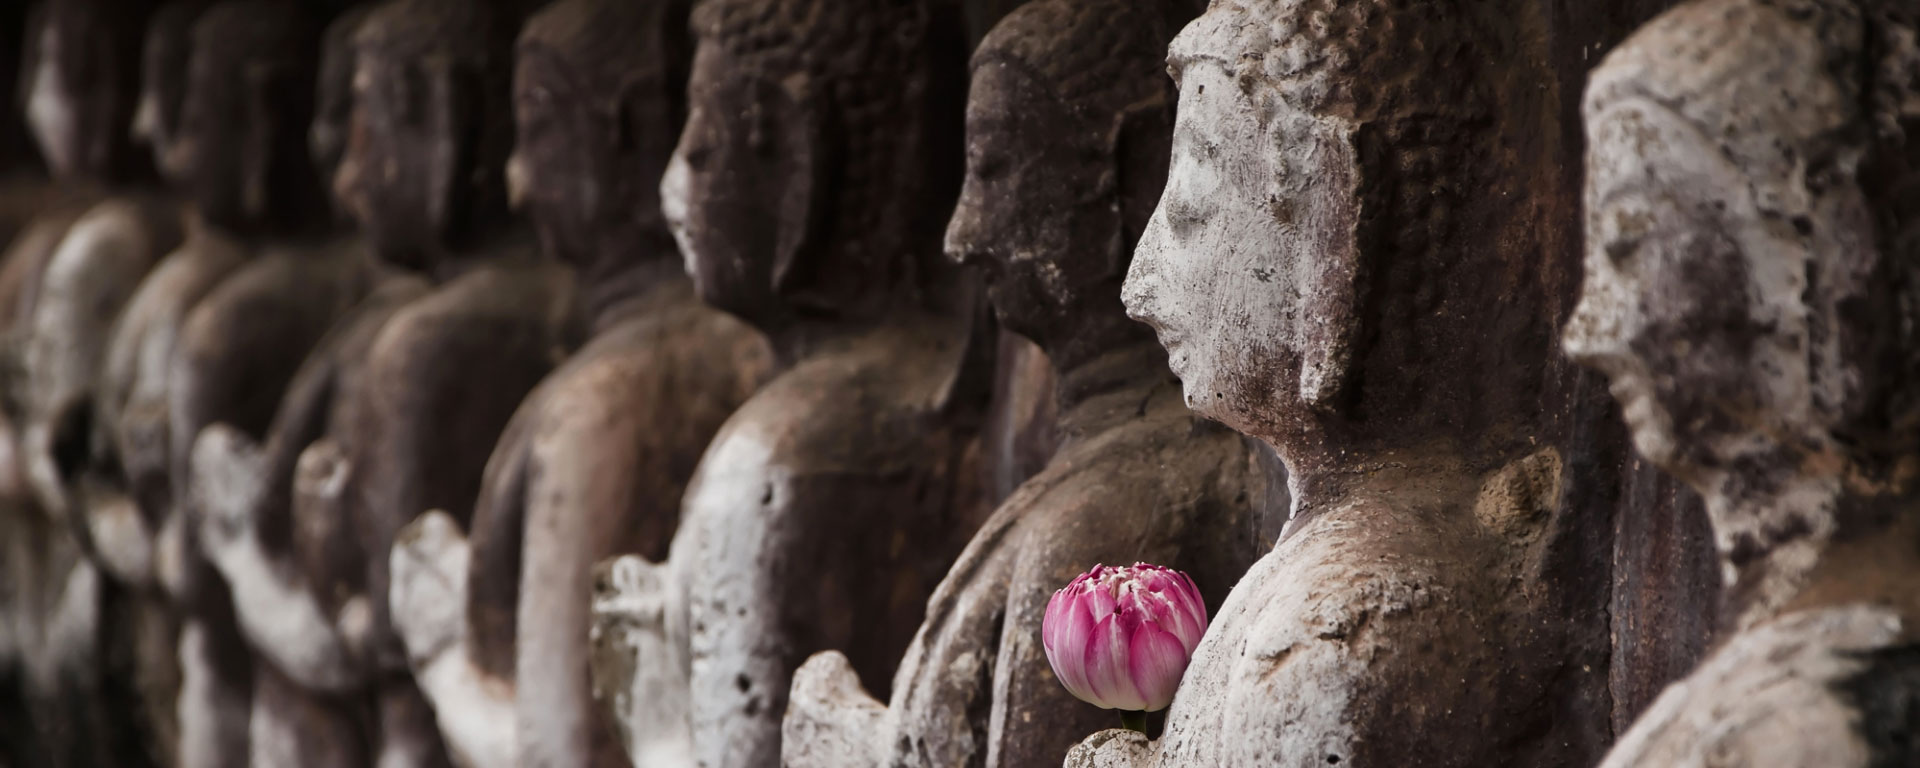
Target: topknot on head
column 840, row 41
column 1095, row 55
column 463, row 33
column 1364, row 60
column 609, row 43
column 255, row 33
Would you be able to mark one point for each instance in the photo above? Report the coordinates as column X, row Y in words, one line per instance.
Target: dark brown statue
column 594, row 461
column 64, row 280
column 219, row 330
column 1348, row 263
column 394, row 413
column 809, row 191
column 1067, row 128
column 1750, row 277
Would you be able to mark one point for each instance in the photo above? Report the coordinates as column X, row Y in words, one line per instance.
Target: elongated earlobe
column 263, row 83
column 804, row 196
column 455, row 99
column 1337, row 283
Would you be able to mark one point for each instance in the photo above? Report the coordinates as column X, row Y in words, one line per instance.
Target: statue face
column 53, row 109
column 1692, row 301
column 1038, row 213
column 333, row 93
column 401, row 156
column 217, row 139
column 163, row 74
column 554, row 175
column 730, row 189
column 1246, row 268
column 587, row 160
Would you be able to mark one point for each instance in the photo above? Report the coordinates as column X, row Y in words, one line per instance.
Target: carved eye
column 407, row 92
column 985, row 164
column 1622, row 250
column 536, row 98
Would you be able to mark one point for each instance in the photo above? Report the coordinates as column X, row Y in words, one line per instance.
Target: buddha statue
column 65, row 277
column 1068, row 123
column 1750, row 265
column 1346, row 263
column 218, row 330
column 394, row 413
column 83, row 67
column 808, row 192
column 293, row 567
column 595, row 460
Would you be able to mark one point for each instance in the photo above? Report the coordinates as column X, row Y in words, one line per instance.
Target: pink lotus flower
column 1120, row 638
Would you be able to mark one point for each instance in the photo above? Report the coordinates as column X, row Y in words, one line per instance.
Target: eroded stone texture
column 1749, row 264
column 393, row 411
column 595, row 459
column 1357, row 260
column 1068, row 122
column 808, row 192
column 64, row 283
column 270, row 540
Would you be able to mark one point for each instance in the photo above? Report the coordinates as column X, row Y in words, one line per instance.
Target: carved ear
column 455, row 98
column 804, row 192
column 632, row 111
column 623, row 124
column 265, row 86
column 1339, row 277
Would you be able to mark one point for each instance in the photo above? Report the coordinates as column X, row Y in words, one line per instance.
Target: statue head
column 1339, row 249
column 80, row 77
column 820, row 156
column 163, row 84
column 1068, row 123
column 430, row 128
column 598, row 102
column 241, row 137
column 333, row 91
column 1752, row 261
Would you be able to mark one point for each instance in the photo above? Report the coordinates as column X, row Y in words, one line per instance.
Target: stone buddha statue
column 1346, row 264
column 1068, row 124
column 1750, row 272
column 82, row 82
column 411, row 390
column 65, row 277
column 809, row 190
column 218, row 331
column 595, row 460
column 295, row 568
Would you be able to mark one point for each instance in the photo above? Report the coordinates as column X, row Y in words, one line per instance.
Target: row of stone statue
column 719, row 459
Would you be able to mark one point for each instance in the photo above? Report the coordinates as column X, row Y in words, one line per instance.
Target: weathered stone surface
column 1068, row 119
column 1359, row 259
column 1749, row 260
column 640, row 664
column 594, row 461
column 832, row 501
column 1110, row 749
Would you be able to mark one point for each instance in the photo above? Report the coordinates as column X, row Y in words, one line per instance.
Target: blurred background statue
column 594, row 461
column 1750, row 276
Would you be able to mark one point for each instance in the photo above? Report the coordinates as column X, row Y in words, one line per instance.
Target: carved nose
column 1593, row 329
column 1138, row 291
column 968, row 236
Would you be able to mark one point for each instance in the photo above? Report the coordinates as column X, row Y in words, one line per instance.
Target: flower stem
column 1135, row 721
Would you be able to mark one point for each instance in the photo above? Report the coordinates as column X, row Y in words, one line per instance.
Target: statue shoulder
column 1814, row 687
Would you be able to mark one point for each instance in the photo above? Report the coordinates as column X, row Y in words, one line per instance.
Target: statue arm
column 273, row 603
column 440, row 385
